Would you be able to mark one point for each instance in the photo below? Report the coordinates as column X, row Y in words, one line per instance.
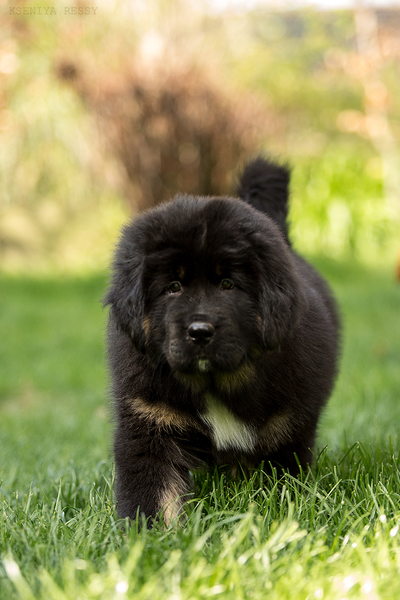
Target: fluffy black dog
column 222, row 341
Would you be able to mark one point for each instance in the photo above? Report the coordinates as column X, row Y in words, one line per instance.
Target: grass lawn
column 333, row 533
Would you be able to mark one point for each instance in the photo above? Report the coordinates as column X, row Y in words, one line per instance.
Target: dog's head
column 203, row 284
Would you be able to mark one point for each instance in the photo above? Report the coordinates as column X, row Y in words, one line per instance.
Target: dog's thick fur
column 222, row 342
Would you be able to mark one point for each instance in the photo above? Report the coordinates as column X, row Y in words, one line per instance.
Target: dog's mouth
column 204, row 363
column 202, row 375
column 206, row 360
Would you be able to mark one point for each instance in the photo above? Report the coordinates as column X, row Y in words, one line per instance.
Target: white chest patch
column 228, row 431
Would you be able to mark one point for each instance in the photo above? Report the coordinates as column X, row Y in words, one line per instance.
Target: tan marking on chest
column 277, row 431
column 227, row 430
column 160, row 415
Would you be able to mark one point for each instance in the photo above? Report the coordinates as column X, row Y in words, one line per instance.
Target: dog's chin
column 198, row 365
column 203, row 365
column 190, row 367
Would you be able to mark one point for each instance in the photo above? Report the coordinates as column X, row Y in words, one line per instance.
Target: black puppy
column 222, row 342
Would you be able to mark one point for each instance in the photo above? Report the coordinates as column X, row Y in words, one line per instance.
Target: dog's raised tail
column 264, row 185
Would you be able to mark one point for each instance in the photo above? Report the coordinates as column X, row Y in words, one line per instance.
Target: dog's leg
column 151, row 476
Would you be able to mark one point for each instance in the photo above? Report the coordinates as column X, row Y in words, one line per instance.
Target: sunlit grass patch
column 319, row 536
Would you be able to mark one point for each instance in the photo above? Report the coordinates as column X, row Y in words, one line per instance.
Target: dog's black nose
column 201, row 332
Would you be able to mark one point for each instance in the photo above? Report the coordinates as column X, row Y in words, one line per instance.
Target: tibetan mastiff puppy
column 222, row 342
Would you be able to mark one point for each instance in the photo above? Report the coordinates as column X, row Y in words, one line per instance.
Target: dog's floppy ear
column 125, row 296
column 281, row 305
column 281, row 297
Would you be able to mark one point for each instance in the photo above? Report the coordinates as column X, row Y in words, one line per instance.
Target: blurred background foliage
column 117, row 107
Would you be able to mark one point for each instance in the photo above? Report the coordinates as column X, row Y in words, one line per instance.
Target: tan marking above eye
column 218, row 270
column 181, row 272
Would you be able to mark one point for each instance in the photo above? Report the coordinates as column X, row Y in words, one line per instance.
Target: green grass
column 333, row 533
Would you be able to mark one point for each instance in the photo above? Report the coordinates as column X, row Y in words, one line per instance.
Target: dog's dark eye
column 227, row 284
column 174, row 287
